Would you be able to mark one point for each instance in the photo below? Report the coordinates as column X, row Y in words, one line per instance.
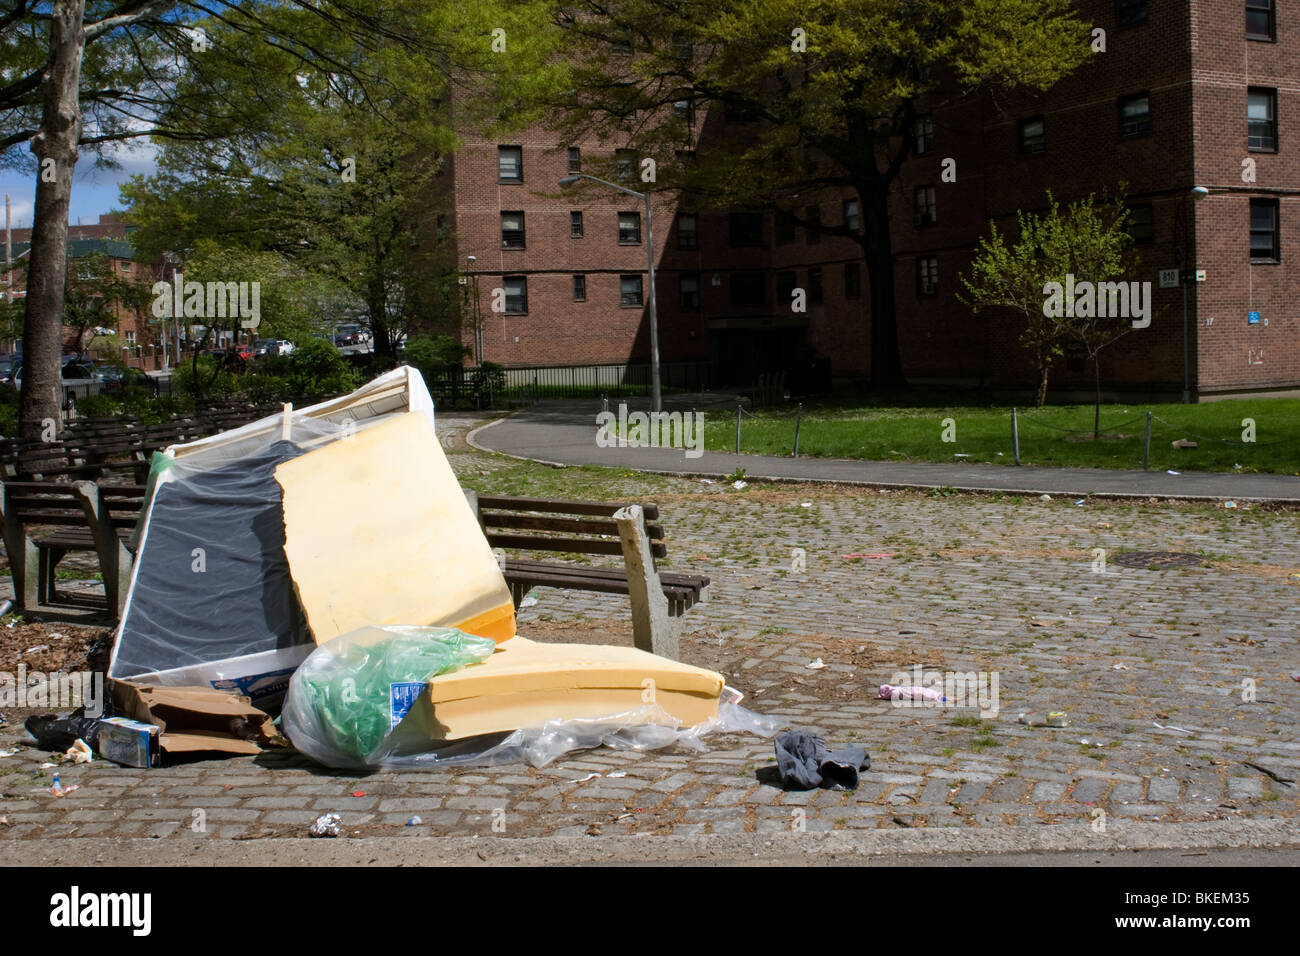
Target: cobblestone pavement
column 1177, row 683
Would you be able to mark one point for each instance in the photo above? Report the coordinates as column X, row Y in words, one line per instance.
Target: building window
column 748, row 288
column 1265, row 241
column 1130, row 12
column 629, row 291
column 1261, row 119
column 126, row 266
column 625, row 164
column 510, row 164
column 1135, row 115
column 579, row 288
column 516, row 294
column 813, row 231
column 629, row 228
column 745, row 228
column 621, row 43
column 442, row 229
column 512, row 230
column 1261, row 23
column 1076, row 356
column 852, row 280
column 1033, row 136
column 688, row 230
column 130, row 336
column 683, row 48
column 1142, row 223
column 784, row 227
column 924, row 130
column 815, row 294
column 575, row 225
column 786, row 281
column 925, row 206
column 575, row 159
column 690, row 287
column 927, row 276
column 684, row 110
column 852, row 217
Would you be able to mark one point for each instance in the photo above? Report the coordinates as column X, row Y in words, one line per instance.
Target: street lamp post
column 656, row 395
column 1189, row 275
column 474, row 308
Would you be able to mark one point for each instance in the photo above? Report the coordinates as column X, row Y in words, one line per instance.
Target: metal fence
column 583, row 381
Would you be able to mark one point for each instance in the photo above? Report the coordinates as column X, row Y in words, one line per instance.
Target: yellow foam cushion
column 526, row 683
column 378, row 531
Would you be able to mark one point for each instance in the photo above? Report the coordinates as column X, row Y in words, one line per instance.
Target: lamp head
column 1199, row 192
column 569, row 180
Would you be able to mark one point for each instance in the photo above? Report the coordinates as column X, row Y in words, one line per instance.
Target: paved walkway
column 1176, row 682
column 565, row 433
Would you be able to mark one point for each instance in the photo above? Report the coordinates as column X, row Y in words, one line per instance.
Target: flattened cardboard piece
column 526, row 684
column 195, row 719
column 378, row 532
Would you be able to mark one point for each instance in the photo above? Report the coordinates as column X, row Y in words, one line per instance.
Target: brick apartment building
column 109, row 237
column 1186, row 94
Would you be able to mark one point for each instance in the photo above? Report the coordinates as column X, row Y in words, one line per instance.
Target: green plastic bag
column 352, row 692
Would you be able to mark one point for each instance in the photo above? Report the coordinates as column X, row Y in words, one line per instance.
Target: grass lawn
column 1055, row 435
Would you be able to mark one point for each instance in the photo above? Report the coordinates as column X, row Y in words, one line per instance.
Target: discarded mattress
column 522, row 701
column 211, row 600
column 407, row 549
column 526, row 683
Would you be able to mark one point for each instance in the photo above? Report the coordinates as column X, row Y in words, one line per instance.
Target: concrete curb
column 842, row 846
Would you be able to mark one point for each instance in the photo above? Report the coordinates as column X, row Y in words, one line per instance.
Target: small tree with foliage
column 1087, row 240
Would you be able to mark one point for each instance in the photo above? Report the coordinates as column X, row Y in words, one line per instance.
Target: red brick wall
column 1193, row 61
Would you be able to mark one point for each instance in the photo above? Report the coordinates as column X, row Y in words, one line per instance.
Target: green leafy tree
column 82, row 76
column 344, row 178
column 1087, row 240
column 832, row 86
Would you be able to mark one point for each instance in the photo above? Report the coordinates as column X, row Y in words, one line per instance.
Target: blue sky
column 94, row 190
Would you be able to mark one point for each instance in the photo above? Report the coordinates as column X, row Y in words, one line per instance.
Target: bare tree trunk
column 1096, row 411
column 1041, row 398
column 55, row 147
column 886, row 359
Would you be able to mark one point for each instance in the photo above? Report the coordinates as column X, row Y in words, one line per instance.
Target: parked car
column 228, row 358
column 264, row 347
column 9, row 365
column 78, row 376
column 118, row 378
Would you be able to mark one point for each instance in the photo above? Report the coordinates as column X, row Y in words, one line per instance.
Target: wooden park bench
column 595, row 528
column 89, row 517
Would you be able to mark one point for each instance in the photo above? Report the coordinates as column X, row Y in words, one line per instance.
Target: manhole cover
column 1158, row 559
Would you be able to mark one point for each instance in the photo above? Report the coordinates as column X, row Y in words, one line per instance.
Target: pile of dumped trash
column 381, row 634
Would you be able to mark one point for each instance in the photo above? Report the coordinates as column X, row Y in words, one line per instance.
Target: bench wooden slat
column 523, row 542
column 498, row 519
column 513, row 503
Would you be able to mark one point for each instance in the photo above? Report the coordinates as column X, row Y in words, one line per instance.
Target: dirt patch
column 45, row 646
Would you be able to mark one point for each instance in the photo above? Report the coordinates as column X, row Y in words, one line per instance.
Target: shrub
column 317, row 368
column 213, row 383
column 97, row 406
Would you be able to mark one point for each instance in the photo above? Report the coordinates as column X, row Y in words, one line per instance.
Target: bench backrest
column 572, row 527
column 57, row 503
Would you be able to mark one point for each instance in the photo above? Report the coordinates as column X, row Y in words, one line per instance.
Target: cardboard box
column 131, row 743
column 195, row 719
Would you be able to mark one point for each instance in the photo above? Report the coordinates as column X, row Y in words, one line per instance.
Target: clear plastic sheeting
column 646, row 728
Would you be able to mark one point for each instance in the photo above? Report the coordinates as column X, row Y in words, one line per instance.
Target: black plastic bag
column 56, row 733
